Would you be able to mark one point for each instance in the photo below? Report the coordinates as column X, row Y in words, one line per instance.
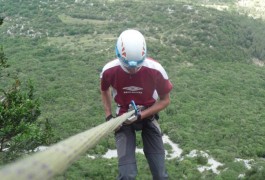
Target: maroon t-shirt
column 144, row 87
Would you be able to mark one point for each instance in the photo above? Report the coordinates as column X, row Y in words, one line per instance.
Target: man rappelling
column 142, row 83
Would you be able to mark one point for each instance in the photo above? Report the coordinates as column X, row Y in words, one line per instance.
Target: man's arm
column 106, row 100
column 161, row 104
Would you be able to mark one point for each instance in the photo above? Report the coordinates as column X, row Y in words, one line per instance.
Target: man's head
column 131, row 49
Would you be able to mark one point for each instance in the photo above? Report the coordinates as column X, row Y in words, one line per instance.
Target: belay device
column 136, row 113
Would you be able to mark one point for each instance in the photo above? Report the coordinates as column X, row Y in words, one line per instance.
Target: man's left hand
column 133, row 118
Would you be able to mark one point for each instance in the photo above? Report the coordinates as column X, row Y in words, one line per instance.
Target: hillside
column 213, row 51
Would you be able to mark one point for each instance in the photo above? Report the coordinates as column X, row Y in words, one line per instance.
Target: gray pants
column 153, row 149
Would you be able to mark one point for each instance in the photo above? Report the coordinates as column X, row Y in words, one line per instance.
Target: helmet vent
column 123, row 53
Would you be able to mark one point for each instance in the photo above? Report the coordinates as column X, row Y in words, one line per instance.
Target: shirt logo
column 133, row 89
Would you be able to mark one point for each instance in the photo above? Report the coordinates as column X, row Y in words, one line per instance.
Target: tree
column 19, row 112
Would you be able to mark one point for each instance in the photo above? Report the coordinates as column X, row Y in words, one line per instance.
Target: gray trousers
column 153, row 149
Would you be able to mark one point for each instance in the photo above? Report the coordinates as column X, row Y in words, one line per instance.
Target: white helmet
column 131, row 48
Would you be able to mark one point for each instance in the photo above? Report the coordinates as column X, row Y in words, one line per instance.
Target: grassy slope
column 218, row 96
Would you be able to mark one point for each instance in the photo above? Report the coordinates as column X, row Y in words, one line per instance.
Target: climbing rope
column 57, row 158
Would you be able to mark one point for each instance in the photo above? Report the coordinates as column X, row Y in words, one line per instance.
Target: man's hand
column 109, row 117
column 136, row 116
column 133, row 118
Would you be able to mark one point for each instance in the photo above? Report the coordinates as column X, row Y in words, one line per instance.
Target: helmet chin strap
column 127, row 69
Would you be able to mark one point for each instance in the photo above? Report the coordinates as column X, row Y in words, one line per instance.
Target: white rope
column 57, row 158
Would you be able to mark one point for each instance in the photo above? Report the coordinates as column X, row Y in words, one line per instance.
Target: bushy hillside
column 215, row 60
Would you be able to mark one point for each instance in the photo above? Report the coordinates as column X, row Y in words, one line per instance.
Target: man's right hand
column 109, row 117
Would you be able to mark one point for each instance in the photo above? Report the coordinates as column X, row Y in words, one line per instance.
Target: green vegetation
column 215, row 60
column 19, row 111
